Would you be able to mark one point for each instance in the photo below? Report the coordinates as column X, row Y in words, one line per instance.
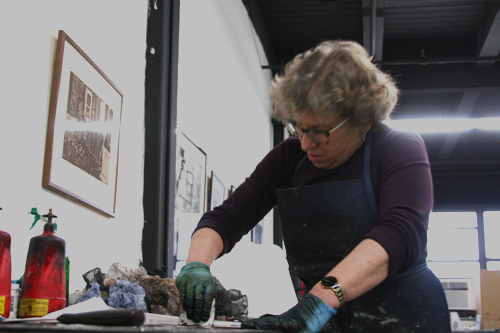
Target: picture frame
column 83, row 131
column 231, row 190
column 257, row 233
column 190, row 176
column 217, row 191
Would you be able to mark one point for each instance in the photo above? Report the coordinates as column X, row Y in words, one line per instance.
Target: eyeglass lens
column 316, row 136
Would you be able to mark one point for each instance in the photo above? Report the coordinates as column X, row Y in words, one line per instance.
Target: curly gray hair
column 334, row 78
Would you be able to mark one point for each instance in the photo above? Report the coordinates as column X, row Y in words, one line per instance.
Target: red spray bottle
column 5, row 274
column 44, row 282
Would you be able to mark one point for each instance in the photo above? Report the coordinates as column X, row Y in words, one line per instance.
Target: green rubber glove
column 308, row 316
column 195, row 284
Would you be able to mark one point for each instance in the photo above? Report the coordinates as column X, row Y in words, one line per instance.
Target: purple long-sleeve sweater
column 401, row 180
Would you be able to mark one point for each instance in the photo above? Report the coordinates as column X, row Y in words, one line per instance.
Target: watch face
column 329, row 281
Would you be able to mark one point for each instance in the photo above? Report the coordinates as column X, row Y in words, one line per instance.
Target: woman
column 354, row 198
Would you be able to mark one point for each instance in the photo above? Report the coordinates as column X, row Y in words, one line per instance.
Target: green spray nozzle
column 45, row 218
column 37, row 216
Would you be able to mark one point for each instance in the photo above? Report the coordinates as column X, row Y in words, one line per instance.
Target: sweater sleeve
column 254, row 198
column 405, row 199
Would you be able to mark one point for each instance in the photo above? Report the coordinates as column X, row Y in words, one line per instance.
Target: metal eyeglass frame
column 292, row 128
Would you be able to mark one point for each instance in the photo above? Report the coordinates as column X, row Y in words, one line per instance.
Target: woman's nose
column 306, row 143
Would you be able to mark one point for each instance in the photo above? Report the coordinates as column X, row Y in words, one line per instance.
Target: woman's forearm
column 206, row 246
column 363, row 269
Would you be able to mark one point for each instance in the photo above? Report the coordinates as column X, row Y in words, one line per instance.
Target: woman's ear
column 365, row 128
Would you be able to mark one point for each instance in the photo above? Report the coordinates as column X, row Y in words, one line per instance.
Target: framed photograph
column 83, row 133
column 217, row 191
column 190, row 177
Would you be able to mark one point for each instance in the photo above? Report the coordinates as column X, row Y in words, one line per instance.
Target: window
column 491, row 234
column 452, row 245
column 461, row 243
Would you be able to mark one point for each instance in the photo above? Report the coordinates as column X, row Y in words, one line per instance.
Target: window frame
column 479, row 210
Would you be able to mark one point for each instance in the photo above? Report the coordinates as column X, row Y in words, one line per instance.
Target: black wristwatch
column 330, row 282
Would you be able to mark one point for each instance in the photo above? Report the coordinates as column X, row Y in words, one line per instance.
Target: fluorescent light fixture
column 444, row 125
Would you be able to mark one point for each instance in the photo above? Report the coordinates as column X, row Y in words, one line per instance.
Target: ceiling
column 444, row 55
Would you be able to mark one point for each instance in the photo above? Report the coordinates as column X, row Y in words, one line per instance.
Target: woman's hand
column 308, row 316
column 195, row 284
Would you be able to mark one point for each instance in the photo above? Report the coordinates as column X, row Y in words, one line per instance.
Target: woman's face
column 341, row 145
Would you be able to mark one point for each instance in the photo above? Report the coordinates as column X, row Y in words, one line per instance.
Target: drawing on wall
column 190, row 195
column 257, row 233
column 217, row 191
column 190, row 176
column 231, row 190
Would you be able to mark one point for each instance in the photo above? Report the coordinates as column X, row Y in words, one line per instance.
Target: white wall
column 223, row 91
column 113, row 34
column 222, row 107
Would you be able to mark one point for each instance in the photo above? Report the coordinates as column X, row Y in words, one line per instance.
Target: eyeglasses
column 320, row 137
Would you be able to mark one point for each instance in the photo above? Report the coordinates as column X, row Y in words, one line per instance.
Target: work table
column 477, row 331
column 79, row 328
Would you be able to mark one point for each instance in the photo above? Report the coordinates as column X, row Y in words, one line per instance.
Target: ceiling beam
column 490, row 35
column 439, row 61
column 373, row 28
column 464, row 111
column 422, row 77
column 423, row 3
column 419, row 91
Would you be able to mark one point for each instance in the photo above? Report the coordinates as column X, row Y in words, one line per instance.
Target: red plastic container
column 5, row 274
column 44, row 282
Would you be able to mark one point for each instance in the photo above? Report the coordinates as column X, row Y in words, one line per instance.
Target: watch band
column 330, row 282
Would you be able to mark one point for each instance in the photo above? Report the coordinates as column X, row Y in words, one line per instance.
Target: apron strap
column 366, row 173
column 297, row 169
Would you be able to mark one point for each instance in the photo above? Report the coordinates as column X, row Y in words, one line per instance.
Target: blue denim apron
column 323, row 223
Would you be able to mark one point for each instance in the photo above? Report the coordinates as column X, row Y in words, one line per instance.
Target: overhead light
column 444, row 125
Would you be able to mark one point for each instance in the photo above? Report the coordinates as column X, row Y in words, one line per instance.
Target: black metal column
column 160, row 143
column 278, row 136
column 480, row 235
